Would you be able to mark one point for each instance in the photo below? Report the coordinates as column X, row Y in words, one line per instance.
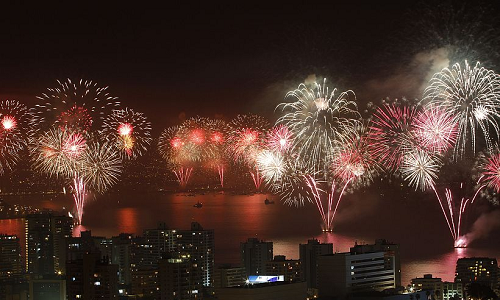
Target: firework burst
column 279, row 139
column 80, row 106
column 271, row 165
column 318, row 119
column 436, row 130
column 471, row 94
column 101, row 165
column 57, row 152
column 129, row 130
column 420, row 169
column 14, row 132
column 391, row 134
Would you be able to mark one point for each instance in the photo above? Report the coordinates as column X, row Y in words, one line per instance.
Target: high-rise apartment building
column 10, row 257
column 481, row 270
column 46, row 236
column 255, row 254
column 178, row 279
column 341, row 274
column 309, row 254
column 199, row 243
column 91, row 277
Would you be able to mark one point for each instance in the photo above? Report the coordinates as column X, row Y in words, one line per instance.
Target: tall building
column 308, row 254
column 143, row 268
column 161, row 239
column 46, row 236
column 255, row 254
column 199, row 243
column 342, row 274
column 91, row 277
column 121, row 256
column 391, row 257
column 61, row 227
column 10, row 257
column 291, row 269
column 176, row 279
column 481, row 270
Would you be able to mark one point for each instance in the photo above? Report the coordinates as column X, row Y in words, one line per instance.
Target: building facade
column 291, row 269
column 10, row 257
column 255, row 254
column 481, row 270
column 309, row 254
column 342, row 274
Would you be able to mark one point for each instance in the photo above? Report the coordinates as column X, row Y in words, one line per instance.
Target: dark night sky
column 203, row 59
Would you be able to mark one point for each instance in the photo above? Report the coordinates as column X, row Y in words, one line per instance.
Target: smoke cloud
column 410, row 80
column 483, row 226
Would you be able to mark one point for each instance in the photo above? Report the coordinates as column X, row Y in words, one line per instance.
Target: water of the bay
column 417, row 226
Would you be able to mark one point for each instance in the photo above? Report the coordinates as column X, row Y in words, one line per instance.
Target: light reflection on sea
column 425, row 246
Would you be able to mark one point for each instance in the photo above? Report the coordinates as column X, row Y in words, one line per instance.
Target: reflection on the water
column 238, row 217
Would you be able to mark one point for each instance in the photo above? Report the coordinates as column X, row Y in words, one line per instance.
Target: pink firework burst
column 436, row 130
column 391, row 134
column 280, row 139
column 491, row 170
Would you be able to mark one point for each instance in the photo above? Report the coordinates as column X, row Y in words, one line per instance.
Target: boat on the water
column 198, row 204
column 267, row 201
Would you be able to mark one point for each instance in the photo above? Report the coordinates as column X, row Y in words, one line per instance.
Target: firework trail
column 217, row 138
column 391, row 134
column 129, row 130
column 14, row 132
column 318, row 119
column 421, row 170
column 354, row 164
column 247, row 138
column 471, row 95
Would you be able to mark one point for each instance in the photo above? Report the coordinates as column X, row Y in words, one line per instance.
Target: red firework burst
column 217, row 137
column 197, row 136
column 76, row 118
